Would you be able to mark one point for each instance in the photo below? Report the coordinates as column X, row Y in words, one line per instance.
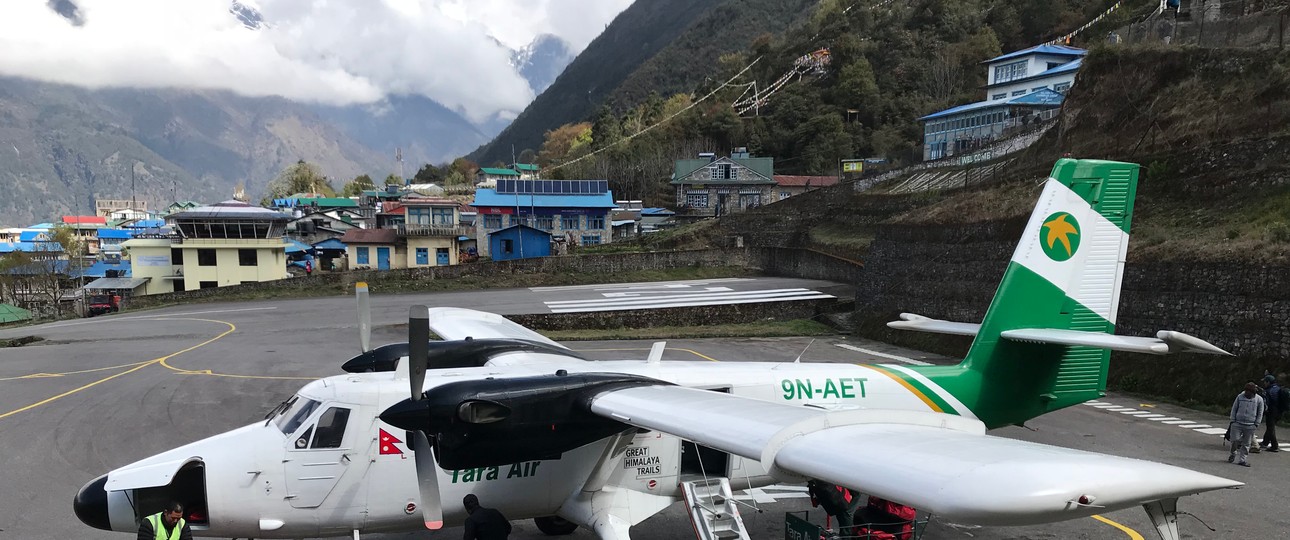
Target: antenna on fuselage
column 364, row 316
column 798, row 360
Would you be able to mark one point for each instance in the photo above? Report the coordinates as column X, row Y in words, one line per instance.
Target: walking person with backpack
column 1247, row 412
column 1278, row 402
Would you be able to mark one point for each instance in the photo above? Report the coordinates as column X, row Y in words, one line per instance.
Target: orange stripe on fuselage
column 931, row 405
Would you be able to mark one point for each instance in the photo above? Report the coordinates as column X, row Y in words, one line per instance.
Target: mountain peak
column 542, row 60
column 247, row 13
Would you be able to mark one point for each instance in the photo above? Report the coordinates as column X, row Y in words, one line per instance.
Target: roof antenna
column 798, row 360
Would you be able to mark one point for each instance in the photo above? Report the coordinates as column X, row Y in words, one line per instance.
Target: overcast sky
column 329, row 51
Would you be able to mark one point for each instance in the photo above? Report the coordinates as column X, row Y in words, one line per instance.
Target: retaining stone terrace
column 678, row 316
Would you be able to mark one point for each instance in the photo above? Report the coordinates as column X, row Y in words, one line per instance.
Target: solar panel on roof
column 553, row 187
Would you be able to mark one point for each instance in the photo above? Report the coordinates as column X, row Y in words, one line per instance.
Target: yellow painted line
column 926, row 400
column 47, row 375
column 141, row 365
column 70, row 392
column 231, row 328
column 696, row 353
column 1133, row 535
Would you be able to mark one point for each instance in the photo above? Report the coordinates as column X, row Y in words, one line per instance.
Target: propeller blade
column 427, row 481
column 418, row 348
column 364, row 316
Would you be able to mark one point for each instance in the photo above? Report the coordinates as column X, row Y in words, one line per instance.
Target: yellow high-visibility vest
column 159, row 527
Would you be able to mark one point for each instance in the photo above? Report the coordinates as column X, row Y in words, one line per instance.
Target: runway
column 101, row 393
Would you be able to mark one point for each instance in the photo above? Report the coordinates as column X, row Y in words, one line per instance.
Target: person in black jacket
column 169, row 524
column 484, row 523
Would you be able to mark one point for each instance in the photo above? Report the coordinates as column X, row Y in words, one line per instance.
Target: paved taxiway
column 104, row 392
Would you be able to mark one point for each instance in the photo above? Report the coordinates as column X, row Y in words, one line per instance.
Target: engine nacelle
column 494, row 422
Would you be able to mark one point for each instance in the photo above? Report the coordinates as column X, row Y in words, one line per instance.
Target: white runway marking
column 639, row 286
column 897, row 358
column 157, row 316
column 1192, row 425
column 695, row 298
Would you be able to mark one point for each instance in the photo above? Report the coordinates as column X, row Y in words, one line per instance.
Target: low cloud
column 311, row 50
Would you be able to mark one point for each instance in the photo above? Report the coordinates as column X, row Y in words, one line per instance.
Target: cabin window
column 331, row 428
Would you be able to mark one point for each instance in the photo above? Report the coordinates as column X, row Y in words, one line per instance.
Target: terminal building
column 1024, row 88
column 573, row 212
column 223, row 244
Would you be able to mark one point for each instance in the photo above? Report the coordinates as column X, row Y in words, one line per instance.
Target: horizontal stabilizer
column 459, row 323
column 911, row 321
column 1165, row 342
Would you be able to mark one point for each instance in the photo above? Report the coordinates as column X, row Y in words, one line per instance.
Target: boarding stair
column 713, row 510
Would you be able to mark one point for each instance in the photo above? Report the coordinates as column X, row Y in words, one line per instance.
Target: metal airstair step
column 713, row 510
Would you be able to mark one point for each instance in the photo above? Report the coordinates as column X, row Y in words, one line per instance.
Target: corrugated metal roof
column 10, row 313
column 763, row 166
column 498, row 172
column 231, row 210
column 492, row 199
column 115, row 233
column 330, row 243
column 370, row 236
column 1037, row 98
column 33, row 236
column 116, row 283
column 657, row 212
column 525, row 167
column 85, row 220
column 1040, row 49
column 100, row 268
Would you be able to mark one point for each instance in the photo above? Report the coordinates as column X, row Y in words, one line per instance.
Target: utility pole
column 134, row 204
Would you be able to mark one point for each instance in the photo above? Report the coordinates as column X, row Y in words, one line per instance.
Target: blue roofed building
column 519, row 242
column 1023, row 88
column 573, row 212
column 110, row 242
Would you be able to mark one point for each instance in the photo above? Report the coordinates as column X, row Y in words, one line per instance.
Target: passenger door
column 318, row 454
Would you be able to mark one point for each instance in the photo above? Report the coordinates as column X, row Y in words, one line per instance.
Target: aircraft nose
column 408, row 414
column 91, row 504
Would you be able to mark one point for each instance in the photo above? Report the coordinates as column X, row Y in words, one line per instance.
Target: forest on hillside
column 889, row 66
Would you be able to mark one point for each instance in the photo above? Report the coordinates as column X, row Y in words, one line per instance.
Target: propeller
column 364, row 316
column 427, row 470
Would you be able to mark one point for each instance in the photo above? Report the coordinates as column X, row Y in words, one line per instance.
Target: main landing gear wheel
column 555, row 525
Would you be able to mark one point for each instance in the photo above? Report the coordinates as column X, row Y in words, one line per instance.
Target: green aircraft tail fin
column 1065, row 275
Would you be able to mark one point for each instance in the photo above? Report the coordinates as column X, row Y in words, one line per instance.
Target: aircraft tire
column 555, row 526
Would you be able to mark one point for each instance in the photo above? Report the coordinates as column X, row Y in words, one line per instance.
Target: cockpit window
column 296, row 413
column 331, row 428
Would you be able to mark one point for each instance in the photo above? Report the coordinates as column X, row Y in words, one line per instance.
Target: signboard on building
column 151, row 260
column 855, row 166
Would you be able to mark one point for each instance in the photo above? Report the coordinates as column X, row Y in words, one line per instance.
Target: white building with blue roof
column 1022, row 87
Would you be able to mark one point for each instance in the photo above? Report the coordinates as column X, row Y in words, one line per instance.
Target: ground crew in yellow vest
column 168, row 524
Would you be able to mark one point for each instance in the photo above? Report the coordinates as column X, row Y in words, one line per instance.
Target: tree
column 429, row 174
column 357, row 186
column 561, row 142
column 393, row 180
column 299, row 178
column 528, row 156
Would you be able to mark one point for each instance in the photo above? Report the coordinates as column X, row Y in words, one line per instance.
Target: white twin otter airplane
column 498, row 410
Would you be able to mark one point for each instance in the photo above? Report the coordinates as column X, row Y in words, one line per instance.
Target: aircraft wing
column 939, row 463
column 913, row 321
column 459, row 323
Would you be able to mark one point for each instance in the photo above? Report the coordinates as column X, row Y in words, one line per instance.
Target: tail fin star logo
column 1060, row 236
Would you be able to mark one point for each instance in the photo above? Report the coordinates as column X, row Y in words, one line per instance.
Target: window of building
column 785, row 194
column 999, row 96
column 723, row 171
column 247, row 257
column 595, row 222
column 1018, row 93
column 1061, row 88
column 178, row 285
column 492, row 222
column 205, row 257
column 695, row 200
column 423, row 256
column 545, row 223
column 570, row 223
column 1038, row 88
column 1008, row 72
column 330, row 432
column 1052, row 65
column 208, row 284
column 443, row 216
column 418, row 216
column 590, row 240
column 361, row 254
column 176, row 256
column 508, row 245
